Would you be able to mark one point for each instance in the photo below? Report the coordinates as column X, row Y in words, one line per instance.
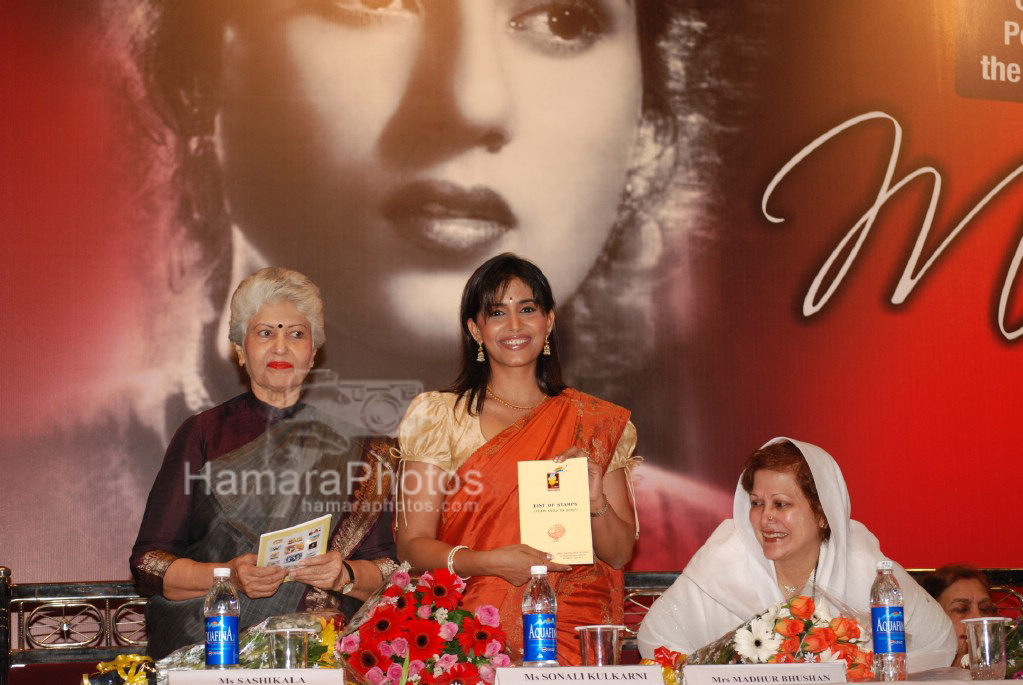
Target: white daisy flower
column 828, row 655
column 756, row 642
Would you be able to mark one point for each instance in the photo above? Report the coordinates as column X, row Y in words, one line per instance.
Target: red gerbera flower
column 442, row 589
column 385, row 624
column 475, row 636
column 403, row 601
column 366, row 658
column 460, row 674
column 424, row 638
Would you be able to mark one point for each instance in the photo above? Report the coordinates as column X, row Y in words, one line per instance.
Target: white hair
column 273, row 285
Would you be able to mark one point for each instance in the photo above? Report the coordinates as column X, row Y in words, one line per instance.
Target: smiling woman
column 460, row 449
column 786, row 514
column 790, row 534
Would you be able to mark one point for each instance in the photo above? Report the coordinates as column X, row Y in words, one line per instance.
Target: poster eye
column 561, row 27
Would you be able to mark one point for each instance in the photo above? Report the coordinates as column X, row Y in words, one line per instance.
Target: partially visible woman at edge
column 204, row 511
column 509, row 404
column 962, row 591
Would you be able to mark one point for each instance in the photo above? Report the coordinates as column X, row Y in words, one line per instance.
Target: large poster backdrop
column 763, row 219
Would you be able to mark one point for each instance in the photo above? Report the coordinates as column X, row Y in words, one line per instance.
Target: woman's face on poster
column 387, row 148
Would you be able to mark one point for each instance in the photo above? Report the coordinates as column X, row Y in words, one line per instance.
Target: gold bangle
column 451, row 559
column 386, row 566
column 607, row 505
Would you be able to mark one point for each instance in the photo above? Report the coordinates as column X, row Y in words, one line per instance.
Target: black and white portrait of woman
column 387, row 148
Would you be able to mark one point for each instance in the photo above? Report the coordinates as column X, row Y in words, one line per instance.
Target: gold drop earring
column 480, row 357
column 547, row 345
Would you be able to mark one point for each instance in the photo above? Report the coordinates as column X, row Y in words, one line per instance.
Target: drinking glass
column 601, row 644
column 289, row 647
column 986, row 638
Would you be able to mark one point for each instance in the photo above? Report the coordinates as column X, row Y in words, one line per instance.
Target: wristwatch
column 350, row 585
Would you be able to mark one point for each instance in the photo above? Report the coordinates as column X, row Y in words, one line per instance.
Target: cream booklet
column 288, row 546
column 554, row 509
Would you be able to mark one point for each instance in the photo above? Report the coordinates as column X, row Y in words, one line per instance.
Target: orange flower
column 802, row 607
column 865, row 658
column 859, row 673
column 791, row 645
column 781, row 659
column 845, row 628
column 788, row 627
column 846, row 651
column 819, row 639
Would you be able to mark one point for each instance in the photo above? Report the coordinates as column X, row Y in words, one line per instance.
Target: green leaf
column 404, row 671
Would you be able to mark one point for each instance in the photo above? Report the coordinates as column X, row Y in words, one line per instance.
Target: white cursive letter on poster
column 814, row 301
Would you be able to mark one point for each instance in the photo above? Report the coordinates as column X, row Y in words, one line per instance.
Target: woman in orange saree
column 460, row 449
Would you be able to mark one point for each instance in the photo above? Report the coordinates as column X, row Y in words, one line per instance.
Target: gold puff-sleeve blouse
column 438, row 429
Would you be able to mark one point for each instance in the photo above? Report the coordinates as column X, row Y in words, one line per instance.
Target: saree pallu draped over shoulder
column 296, row 469
column 484, row 514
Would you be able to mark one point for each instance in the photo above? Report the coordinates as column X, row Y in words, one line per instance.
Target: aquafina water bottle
column 539, row 621
column 888, row 625
column 221, row 612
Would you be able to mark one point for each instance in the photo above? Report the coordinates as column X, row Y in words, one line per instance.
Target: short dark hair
column 785, row 457
column 941, row 579
column 482, row 291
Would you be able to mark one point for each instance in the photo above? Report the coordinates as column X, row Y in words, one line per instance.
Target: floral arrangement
column 1014, row 649
column 322, row 652
column 132, row 669
column 415, row 633
column 793, row 631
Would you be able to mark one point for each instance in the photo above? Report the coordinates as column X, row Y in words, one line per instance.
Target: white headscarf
column 731, row 566
column 729, row 580
column 834, row 555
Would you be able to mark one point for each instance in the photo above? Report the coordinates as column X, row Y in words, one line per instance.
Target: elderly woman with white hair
column 263, row 461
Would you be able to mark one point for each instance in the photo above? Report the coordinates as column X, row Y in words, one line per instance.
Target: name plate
column 258, row 676
column 766, row 674
column 645, row 675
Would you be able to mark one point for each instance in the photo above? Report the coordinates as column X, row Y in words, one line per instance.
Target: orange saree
column 487, row 517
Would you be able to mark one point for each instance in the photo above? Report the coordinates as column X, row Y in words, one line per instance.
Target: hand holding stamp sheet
column 288, row 546
column 554, row 509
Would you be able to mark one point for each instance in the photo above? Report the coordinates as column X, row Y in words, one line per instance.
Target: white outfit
column 728, row 580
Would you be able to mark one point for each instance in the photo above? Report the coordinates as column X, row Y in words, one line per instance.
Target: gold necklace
column 491, row 393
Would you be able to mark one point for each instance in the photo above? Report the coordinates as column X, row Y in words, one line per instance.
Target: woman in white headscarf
column 791, row 533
